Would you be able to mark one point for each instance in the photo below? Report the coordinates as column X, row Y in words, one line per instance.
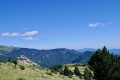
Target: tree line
column 67, row 72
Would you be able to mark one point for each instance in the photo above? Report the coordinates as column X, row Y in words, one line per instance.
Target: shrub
column 9, row 59
column 22, row 67
column 20, row 78
column 80, row 77
column 70, row 76
column 49, row 73
column 61, row 72
column 15, row 62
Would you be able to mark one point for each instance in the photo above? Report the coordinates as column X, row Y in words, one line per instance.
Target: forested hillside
column 45, row 57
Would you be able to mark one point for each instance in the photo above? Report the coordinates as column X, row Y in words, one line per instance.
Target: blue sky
column 48, row 24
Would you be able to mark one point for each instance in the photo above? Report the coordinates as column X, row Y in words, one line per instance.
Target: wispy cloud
column 29, row 38
column 25, row 36
column 10, row 34
column 31, row 33
column 96, row 25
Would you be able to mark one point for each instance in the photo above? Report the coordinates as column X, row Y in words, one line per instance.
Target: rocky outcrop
column 25, row 61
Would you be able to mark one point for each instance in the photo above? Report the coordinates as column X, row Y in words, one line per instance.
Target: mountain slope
column 43, row 57
column 48, row 57
column 83, row 58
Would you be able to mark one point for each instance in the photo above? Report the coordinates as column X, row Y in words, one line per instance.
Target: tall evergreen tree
column 105, row 66
column 77, row 72
column 67, row 72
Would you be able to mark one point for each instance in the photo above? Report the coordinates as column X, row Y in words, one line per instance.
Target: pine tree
column 67, row 72
column 87, row 74
column 77, row 72
column 105, row 66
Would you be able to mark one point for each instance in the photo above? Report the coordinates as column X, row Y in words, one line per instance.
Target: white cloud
column 15, row 34
column 29, row 38
column 30, row 33
column 10, row 34
column 96, row 25
column 25, row 36
column 5, row 34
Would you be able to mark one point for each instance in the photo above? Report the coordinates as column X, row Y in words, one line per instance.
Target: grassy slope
column 8, row 73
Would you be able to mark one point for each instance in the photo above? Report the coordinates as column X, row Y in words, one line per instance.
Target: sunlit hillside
column 9, row 72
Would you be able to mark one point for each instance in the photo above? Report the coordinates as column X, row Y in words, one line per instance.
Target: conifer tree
column 67, row 72
column 77, row 72
column 87, row 74
column 105, row 66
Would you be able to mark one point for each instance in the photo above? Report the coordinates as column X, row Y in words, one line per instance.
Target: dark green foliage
column 2, row 61
column 49, row 73
column 71, row 73
column 56, row 68
column 67, row 72
column 22, row 67
column 105, row 66
column 21, row 78
column 87, row 74
column 61, row 72
column 80, row 77
column 70, row 76
column 9, row 59
column 77, row 72
column 15, row 62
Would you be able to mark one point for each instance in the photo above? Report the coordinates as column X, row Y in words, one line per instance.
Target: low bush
column 49, row 73
column 20, row 78
column 22, row 67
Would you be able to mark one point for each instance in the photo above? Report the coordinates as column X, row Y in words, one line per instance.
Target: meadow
column 9, row 72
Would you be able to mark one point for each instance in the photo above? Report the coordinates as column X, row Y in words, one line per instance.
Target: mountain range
column 114, row 51
column 49, row 57
column 45, row 57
